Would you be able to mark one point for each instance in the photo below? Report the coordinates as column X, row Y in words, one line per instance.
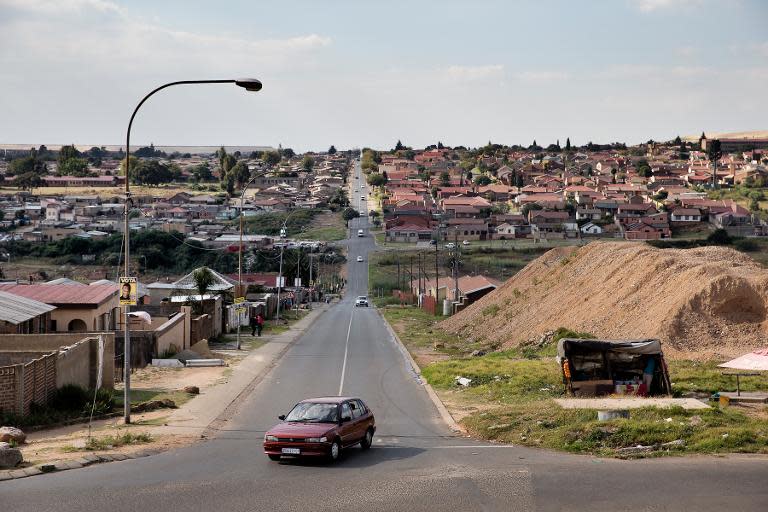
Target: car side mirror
column 345, row 419
column 281, row 417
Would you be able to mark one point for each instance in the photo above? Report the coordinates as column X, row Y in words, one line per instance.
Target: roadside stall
column 592, row 367
column 748, row 365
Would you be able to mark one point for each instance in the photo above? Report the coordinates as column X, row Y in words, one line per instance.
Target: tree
column 271, row 158
column 399, row 146
column 530, row 207
column 74, row 167
column 643, row 168
column 28, row 180
column 445, row 179
column 150, row 172
column 568, row 144
column 715, row 153
column 376, row 180
column 440, row 145
column 202, row 172
column 287, row 153
column 348, row 214
column 26, row 165
column 307, row 163
column 203, row 280
column 332, row 150
column 373, row 214
column 482, row 180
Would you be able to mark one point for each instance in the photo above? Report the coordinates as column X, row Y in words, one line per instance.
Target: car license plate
column 291, row 451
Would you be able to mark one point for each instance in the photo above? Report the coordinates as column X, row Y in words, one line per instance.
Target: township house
column 78, row 307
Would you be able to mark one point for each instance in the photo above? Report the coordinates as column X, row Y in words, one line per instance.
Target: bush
column 720, row 237
column 70, row 398
column 746, row 245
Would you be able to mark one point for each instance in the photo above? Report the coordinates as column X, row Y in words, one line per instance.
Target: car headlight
column 267, row 437
column 316, row 439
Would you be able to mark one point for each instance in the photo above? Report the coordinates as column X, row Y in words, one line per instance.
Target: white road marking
column 346, row 350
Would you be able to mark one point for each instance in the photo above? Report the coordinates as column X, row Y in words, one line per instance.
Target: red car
column 321, row 427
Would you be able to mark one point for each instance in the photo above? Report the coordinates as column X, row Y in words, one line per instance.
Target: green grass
column 111, row 442
column 326, row 233
column 513, row 391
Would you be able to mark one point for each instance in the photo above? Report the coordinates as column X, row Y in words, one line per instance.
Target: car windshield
column 311, row 412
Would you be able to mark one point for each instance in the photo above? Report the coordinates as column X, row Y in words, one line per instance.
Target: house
column 591, row 229
column 472, row 288
column 685, row 215
column 78, row 308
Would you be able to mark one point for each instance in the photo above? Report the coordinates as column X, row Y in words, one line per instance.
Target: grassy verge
column 111, row 442
column 325, row 233
column 510, row 399
column 139, row 396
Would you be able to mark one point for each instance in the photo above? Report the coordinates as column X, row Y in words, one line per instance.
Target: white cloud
column 686, row 51
column 48, row 7
column 474, row 73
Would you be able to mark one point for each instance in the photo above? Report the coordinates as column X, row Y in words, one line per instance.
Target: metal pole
column 311, row 284
column 249, row 85
column 456, row 266
column 279, row 282
column 239, row 268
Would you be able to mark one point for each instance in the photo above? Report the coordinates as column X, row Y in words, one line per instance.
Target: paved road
column 416, row 464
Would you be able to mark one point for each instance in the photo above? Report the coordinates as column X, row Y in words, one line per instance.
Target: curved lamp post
column 249, row 84
column 240, row 255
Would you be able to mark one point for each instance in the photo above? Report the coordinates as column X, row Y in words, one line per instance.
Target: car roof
column 330, row 399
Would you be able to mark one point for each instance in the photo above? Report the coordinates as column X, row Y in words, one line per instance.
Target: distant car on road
column 321, row 427
column 359, row 258
column 362, row 198
column 450, row 245
column 432, row 242
column 360, row 232
column 361, row 302
column 465, row 242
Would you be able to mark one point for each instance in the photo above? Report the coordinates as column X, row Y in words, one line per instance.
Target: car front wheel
column 335, row 451
column 273, row 457
column 367, row 440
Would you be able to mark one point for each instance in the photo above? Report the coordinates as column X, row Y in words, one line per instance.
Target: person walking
column 253, row 324
column 259, row 323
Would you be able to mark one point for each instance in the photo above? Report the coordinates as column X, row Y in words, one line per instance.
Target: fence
column 21, row 385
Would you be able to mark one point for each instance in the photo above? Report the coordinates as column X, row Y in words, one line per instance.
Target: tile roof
column 62, row 294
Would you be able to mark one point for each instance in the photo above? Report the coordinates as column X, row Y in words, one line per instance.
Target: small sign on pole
column 239, row 300
column 297, row 282
column 128, row 291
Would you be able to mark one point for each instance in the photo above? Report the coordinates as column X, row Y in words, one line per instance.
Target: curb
column 64, row 465
column 444, row 414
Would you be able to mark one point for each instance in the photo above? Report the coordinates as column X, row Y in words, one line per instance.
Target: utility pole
column 456, row 266
column 311, row 284
column 410, row 287
column 398, row 271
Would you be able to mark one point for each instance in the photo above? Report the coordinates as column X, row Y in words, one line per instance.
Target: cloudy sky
column 365, row 73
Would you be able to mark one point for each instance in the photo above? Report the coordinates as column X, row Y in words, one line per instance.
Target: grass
column 111, row 442
column 325, row 233
column 512, row 391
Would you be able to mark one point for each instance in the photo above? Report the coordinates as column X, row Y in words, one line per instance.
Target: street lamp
column 249, row 84
column 283, row 232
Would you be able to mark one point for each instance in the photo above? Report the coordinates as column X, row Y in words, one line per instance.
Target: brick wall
column 21, row 385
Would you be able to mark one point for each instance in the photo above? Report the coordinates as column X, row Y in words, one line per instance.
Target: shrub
column 746, row 245
column 69, row 398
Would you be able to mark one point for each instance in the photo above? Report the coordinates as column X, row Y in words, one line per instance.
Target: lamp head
column 249, row 84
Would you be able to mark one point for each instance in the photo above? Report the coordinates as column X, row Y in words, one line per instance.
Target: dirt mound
column 706, row 302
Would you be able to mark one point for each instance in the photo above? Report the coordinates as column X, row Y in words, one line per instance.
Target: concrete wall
column 73, row 365
column 47, row 343
column 95, row 319
column 172, row 333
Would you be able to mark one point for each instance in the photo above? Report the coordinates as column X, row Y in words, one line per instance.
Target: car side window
column 346, row 412
column 361, row 407
column 356, row 413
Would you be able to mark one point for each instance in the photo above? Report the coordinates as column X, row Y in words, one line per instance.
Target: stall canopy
column 568, row 345
column 757, row 360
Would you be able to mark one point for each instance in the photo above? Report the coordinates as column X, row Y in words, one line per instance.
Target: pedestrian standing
column 254, row 324
column 259, row 323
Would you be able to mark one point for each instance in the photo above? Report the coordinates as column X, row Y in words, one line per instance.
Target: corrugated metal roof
column 61, row 294
column 15, row 309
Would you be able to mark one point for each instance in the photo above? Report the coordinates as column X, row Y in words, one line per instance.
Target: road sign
column 297, row 282
column 128, row 291
column 239, row 300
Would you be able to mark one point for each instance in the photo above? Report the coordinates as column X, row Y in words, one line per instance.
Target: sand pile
column 702, row 303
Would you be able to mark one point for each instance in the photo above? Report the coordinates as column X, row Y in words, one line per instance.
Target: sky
column 357, row 73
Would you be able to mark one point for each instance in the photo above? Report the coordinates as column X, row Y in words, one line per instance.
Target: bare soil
column 704, row 303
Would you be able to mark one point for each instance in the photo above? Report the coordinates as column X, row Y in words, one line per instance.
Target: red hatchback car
column 321, row 427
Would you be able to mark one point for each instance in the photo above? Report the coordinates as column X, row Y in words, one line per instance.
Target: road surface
column 416, row 464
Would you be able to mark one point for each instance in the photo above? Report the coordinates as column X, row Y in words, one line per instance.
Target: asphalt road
column 416, row 464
